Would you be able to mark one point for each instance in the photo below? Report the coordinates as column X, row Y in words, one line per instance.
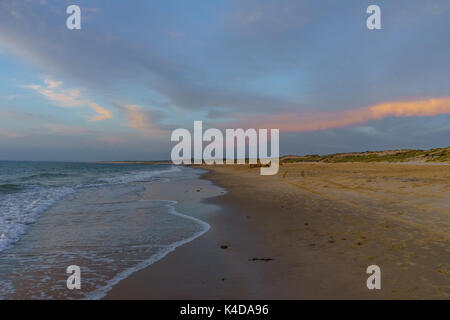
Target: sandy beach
column 309, row 232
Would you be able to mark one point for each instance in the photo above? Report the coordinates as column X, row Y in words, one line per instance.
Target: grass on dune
column 432, row 155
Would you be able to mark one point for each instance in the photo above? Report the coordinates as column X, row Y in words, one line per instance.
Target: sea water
column 53, row 215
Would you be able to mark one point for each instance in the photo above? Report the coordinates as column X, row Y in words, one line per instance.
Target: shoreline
column 198, row 189
column 285, row 240
column 104, row 290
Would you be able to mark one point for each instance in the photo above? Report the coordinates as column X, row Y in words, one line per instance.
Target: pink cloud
column 294, row 122
column 70, row 98
column 141, row 120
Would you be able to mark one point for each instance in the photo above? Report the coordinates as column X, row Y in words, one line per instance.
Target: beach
column 243, row 151
column 309, row 232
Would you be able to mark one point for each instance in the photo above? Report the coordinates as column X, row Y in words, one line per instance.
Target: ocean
column 93, row 215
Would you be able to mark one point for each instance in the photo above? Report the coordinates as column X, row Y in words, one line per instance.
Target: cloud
column 314, row 121
column 10, row 134
column 52, row 84
column 69, row 98
column 145, row 121
column 103, row 113
column 181, row 83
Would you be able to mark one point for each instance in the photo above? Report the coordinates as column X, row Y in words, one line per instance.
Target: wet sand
column 310, row 232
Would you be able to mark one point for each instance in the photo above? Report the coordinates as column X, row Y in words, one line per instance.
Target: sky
column 137, row 70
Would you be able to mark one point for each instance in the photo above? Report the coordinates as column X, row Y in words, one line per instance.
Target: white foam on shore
column 21, row 209
column 138, row 176
column 18, row 210
column 102, row 291
column 40, row 204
